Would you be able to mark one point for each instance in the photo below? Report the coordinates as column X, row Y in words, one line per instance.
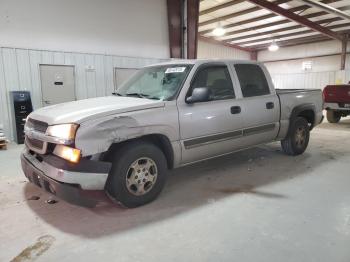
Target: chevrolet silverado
column 166, row 116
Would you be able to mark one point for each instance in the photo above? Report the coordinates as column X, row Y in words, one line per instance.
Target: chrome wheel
column 300, row 137
column 141, row 176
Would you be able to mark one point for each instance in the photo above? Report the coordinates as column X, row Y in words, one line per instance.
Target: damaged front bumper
column 80, row 184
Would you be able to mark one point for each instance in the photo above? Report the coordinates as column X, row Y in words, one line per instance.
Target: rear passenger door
column 261, row 111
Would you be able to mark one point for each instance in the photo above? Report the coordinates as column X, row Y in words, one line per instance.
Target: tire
column 298, row 137
column 333, row 116
column 134, row 162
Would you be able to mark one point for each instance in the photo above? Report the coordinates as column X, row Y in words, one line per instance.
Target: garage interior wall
column 211, row 50
column 286, row 70
column 94, row 36
column 117, row 27
column 94, row 74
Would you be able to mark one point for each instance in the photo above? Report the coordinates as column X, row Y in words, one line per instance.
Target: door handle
column 270, row 105
column 235, row 109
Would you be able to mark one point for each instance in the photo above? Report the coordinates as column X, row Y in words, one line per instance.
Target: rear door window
column 252, row 80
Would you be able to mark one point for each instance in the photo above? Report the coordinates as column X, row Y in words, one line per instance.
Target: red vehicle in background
column 336, row 102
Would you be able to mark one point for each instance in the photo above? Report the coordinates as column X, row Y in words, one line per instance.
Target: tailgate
column 337, row 94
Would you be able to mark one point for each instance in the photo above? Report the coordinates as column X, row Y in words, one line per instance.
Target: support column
column 192, row 28
column 343, row 52
column 175, row 17
column 254, row 55
column 183, row 28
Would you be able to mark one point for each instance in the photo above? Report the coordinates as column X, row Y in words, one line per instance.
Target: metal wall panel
column 94, row 74
column 311, row 80
column 210, row 50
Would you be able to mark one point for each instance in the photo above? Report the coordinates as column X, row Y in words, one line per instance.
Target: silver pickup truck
column 166, row 116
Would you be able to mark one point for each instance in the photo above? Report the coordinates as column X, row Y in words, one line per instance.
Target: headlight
column 65, row 131
column 68, row 153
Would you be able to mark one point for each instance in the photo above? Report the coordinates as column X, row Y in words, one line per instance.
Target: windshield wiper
column 116, row 94
column 140, row 95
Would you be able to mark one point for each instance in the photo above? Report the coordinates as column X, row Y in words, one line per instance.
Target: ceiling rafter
column 239, row 13
column 307, row 31
column 280, row 22
column 296, row 18
column 283, row 29
column 221, row 6
column 255, row 19
column 299, row 41
column 329, row 9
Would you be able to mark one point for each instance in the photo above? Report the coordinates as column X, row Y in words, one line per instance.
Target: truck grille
column 33, row 144
column 37, row 125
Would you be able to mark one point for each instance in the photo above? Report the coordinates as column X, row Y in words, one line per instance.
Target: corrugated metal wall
column 310, row 80
column 19, row 70
column 210, row 50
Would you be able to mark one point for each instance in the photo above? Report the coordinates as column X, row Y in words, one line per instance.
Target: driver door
column 210, row 128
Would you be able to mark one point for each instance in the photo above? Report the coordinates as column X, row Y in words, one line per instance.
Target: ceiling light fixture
column 219, row 30
column 273, row 47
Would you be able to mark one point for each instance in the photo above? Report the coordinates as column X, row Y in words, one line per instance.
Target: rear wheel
column 298, row 138
column 138, row 174
column 333, row 116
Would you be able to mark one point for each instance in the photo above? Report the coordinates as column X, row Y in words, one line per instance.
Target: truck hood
column 87, row 109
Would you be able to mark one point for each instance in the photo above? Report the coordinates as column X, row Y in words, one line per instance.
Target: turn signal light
column 68, row 153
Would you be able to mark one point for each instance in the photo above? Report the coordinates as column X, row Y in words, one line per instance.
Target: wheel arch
column 308, row 111
column 159, row 140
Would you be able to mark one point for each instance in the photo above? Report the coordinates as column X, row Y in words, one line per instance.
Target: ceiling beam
column 298, row 41
column 213, row 41
column 222, row 6
column 283, row 29
column 327, row 8
column 280, row 22
column 259, row 18
column 239, row 13
column 290, row 34
column 296, row 18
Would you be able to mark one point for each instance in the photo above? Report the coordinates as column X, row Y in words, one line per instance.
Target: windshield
column 158, row 82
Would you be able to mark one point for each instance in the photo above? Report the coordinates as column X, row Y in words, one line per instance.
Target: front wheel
column 333, row 116
column 298, row 138
column 138, row 174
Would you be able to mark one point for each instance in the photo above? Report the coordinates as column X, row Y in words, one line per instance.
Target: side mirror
column 199, row 94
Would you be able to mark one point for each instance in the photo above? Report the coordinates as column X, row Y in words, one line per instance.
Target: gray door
column 260, row 110
column 123, row 74
column 57, row 84
column 214, row 127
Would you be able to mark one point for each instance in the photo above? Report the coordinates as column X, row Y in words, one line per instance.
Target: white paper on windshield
column 180, row 69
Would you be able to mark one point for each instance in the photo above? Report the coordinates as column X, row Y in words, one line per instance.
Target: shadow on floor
column 187, row 188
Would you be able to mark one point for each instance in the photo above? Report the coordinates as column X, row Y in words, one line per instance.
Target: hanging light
column 273, row 47
column 219, row 30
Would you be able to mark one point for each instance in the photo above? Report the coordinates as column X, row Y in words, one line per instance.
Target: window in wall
column 252, row 79
column 217, row 79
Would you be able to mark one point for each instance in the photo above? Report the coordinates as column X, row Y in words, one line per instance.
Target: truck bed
column 287, row 91
column 292, row 98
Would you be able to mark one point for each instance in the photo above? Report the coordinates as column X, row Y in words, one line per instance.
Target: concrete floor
column 256, row 205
